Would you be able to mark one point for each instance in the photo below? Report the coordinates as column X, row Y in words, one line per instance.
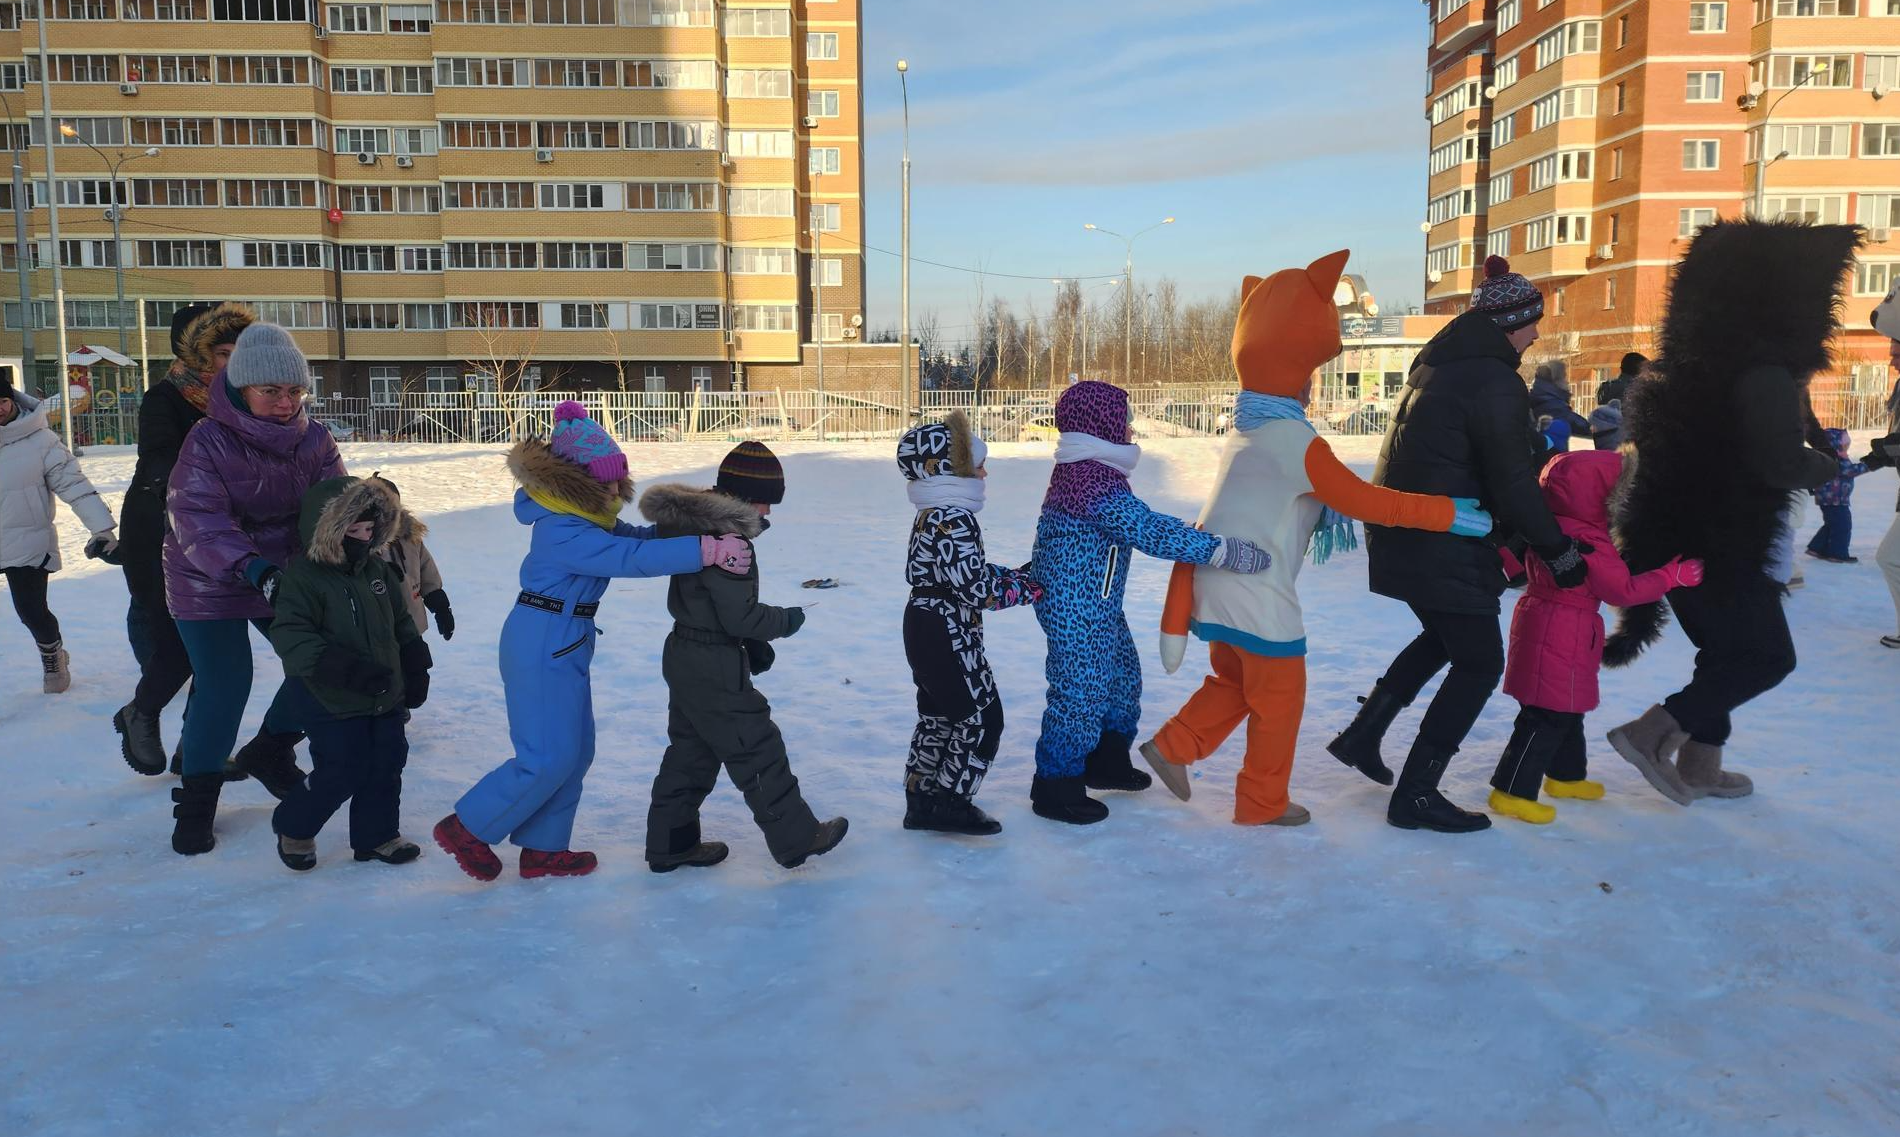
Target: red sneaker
column 562, row 863
column 469, row 851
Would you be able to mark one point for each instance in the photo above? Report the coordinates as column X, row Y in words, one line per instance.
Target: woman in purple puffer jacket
column 233, row 500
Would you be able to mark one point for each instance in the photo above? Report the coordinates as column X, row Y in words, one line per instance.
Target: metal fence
column 1000, row 416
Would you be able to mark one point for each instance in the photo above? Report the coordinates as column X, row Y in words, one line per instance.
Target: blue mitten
column 1469, row 521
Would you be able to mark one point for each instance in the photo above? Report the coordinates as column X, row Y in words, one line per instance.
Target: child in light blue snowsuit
column 1091, row 525
column 572, row 489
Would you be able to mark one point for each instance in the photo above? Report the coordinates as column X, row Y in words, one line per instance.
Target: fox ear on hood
column 1326, row 271
column 1247, row 286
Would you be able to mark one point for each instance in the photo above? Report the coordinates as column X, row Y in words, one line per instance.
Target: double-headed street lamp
column 114, row 215
column 1128, row 274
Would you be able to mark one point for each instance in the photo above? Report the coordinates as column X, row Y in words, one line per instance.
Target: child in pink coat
column 1557, row 640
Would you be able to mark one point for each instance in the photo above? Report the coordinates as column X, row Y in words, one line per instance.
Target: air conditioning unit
column 725, row 159
column 810, row 122
column 404, row 161
column 1881, row 236
column 1605, row 252
column 1571, row 341
column 322, row 32
column 128, row 88
column 366, row 157
column 544, row 155
column 851, row 333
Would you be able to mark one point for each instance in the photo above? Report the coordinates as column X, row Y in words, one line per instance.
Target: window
column 415, row 79
column 1805, row 140
column 764, row 318
column 418, row 199
column 1822, row 209
column 87, row 192
column 359, row 80
column 667, row 13
column 282, row 254
column 1882, row 72
column 1880, row 212
column 672, row 135
column 746, row 202
column 1616, row 163
column 1616, row 228
column 1701, row 153
column 411, row 19
column 1622, row 98
column 1447, row 206
column 180, row 254
column 831, row 272
column 366, row 199
column 362, row 140
column 1561, row 229
column 823, row 160
column 821, row 104
column 758, row 84
column 1509, row 13
column 1880, row 140
column 354, row 17
column 673, row 196
column 1503, row 130
column 98, row 131
column 264, row 11
column 168, row 69
column 267, row 132
column 270, row 193
column 1814, row 7
column 762, row 262
column 1690, row 220
column 578, row 135
column 578, row 73
column 12, row 76
column 265, row 70
column 583, row 254
column 588, row 12
column 1809, row 71
column 676, row 258
column 759, row 143
column 667, row 317
column 833, row 326
column 754, row 23
column 1570, row 102
column 821, row 45
column 668, row 74
column 385, row 386
column 425, row 317
column 1498, row 242
column 192, row 11
column 421, row 258
column 367, row 258
column 74, row 10
column 1455, row 101
column 309, row 314
column 1609, row 293
column 1557, row 302
column 1704, row 18
column 481, row 11
column 1500, row 189
column 1874, row 278
column 1506, row 73
column 463, row 71
column 176, row 192
column 1622, row 31
column 1447, row 259
column 826, row 217
column 373, row 317
column 1705, row 87
column 1579, row 37
column 1447, row 7
column 573, row 195
column 492, row 254
column 173, row 132
column 1566, row 166
column 489, row 194
column 495, row 314
column 655, row 378
column 485, row 134
column 583, row 316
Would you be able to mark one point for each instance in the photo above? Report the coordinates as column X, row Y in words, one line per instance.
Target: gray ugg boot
column 1647, row 744
column 1173, row 776
column 1700, row 766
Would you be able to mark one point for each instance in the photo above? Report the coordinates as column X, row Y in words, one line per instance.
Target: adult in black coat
column 1724, row 440
column 1611, row 390
column 1459, row 430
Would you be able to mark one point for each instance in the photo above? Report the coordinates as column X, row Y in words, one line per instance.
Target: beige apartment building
column 650, row 195
column 1587, row 140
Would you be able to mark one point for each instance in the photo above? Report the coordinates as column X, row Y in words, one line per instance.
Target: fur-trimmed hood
column 218, row 326
column 539, row 469
column 681, row 510
column 329, row 509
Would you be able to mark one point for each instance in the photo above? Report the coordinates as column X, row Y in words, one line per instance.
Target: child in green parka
column 353, row 661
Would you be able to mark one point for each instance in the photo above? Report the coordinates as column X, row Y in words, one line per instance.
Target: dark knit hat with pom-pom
column 751, row 472
column 1511, row 301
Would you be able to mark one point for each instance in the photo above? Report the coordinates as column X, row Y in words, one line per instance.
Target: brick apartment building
column 464, row 193
column 1587, row 140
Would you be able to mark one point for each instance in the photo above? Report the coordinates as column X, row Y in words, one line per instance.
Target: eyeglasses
column 273, row 393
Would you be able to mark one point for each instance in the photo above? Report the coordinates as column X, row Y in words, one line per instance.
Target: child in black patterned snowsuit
column 959, row 713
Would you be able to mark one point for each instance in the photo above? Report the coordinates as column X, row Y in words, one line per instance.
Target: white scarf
column 1076, row 447
column 946, row 491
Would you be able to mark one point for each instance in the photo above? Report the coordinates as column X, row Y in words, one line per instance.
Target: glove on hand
column 759, row 656
column 264, row 576
column 1567, row 566
column 794, row 620
column 1469, row 520
column 437, row 603
column 1684, row 573
column 1237, row 554
column 341, row 667
column 103, row 547
column 416, row 661
column 733, row 554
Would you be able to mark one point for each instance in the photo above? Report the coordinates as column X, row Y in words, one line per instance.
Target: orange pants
column 1270, row 693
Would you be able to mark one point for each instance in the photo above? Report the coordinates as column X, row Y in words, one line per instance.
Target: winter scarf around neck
column 1335, row 531
column 193, row 387
column 1088, row 469
column 946, row 491
column 1893, row 409
column 554, row 504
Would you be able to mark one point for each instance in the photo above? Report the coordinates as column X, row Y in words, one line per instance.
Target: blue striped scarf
column 1335, row 531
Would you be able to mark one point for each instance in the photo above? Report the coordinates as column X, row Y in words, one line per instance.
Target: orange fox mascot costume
column 1280, row 486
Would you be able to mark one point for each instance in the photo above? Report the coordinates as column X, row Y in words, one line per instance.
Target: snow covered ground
column 1636, row 968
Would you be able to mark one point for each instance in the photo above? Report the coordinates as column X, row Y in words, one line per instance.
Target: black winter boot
column 196, row 805
column 823, row 841
column 1065, row 799
column 1358, row 745
column 1417, row 804
column 1109, row 767
column 945, row 812
column 139, row 741
column 683, row 847
column 272, row 760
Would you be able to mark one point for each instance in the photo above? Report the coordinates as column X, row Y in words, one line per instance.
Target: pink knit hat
column 582, row 441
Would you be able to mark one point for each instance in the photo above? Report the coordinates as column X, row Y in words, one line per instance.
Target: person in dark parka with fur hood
column 715, row 717
column 1721, row 447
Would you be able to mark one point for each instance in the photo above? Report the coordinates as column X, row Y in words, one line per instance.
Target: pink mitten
column 733, row 554
column 1684, row 573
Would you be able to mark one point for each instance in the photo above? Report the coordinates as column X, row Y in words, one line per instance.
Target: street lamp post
column 22, row 258
column 1128, row 274
column 115, row 215
column 904, row 371
column 52, row 229
column 1088, row 319
column 1762, row 160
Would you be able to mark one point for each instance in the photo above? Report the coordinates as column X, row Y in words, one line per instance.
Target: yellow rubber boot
column 1535, row 812
column 1583, row 789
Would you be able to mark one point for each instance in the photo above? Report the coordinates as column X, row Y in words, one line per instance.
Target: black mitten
column 759, row 656
column 437, row 603
column 416, row 662
column 1566, row 563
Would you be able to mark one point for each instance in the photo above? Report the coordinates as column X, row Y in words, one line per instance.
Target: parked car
column 1369, row 419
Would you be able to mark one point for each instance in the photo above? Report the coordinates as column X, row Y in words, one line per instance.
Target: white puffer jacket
column 33, row 467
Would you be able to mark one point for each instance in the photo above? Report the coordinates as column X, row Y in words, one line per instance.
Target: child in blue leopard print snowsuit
column 1091, row 524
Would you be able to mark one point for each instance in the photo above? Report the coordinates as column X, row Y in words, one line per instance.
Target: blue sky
column 1273, row 131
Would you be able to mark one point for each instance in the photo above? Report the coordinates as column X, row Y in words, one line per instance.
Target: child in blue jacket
column 572, row 489
column 1836, row 499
